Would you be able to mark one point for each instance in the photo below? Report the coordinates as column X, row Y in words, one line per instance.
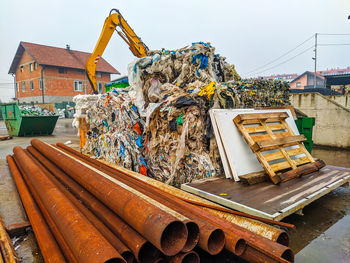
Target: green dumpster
column 18, row 125
column 305, row 125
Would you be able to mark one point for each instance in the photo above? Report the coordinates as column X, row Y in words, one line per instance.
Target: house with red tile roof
column 51, row 74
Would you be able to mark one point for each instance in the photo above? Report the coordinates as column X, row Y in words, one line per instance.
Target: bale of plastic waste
column 159, row 125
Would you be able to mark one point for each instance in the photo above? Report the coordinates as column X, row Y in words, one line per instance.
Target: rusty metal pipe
column 54, row 230
column 255, row 256
column 189, row 257
column 264, row 230
column 47, row 243
column 266, row 246
column 85, row 241
column 111, row 238
column 143, row 250
column 163, row 230
column 212, row 239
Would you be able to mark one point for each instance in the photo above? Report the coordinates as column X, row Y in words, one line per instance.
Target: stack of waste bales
column 159, row 125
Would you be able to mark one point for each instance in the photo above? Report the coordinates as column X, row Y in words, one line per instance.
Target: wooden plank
column 257, row 138
column 289, row 107
column 274, row 178
column 5, row 137
column 291, row 162
column 254, row 178
column 273, row 144
column 273, row 127
column 18, row 229
column 241, row 118
column 285, row 165
column 7, row 250
column 302, row 170
column 278, row 155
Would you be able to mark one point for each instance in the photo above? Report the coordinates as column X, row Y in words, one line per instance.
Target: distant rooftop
column 60, row 57
column 329, row 72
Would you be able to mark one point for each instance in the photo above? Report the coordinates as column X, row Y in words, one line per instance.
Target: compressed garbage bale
column 159, row 126
column 178, row 67
column 251, row 93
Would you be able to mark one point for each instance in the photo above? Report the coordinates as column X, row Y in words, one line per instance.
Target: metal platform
column 268, row 200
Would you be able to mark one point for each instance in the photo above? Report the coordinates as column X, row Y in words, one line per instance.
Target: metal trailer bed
column 269, row 200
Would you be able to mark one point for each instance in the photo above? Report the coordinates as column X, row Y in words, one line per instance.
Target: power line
column 283, row 62
column 334, row 44
column 288, row 52
column 330, row 34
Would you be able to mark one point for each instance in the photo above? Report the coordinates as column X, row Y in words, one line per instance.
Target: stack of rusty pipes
column 82, row 210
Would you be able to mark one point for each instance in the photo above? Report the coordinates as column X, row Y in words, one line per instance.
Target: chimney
column 68, row 47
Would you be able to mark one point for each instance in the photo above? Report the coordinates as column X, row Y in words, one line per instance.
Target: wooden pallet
column 271, row 138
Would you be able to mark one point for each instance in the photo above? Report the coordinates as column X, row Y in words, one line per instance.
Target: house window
column 35, row 66
column 23, row 86
column 61, row 70
column 99, row 87
column 30, row 67
column 21, row 68
column 17, row 87
column 78, row 85
column 41, row 84
column 298, row 84
column 31, row 85
column 98, row 74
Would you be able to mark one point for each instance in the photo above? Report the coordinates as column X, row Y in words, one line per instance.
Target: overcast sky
column 248, row 33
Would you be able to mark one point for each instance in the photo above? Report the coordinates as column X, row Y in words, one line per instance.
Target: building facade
column 307, row 80
column 47, row 74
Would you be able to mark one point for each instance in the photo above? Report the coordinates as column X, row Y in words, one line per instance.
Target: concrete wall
column 332, row 126
column 343, row 100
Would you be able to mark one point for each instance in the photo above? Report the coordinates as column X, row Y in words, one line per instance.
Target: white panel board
column 237, row 153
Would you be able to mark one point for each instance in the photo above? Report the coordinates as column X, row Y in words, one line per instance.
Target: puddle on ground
column 323, row 233
column 331, row 246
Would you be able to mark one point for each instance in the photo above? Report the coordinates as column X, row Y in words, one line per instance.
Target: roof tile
column 61, row 57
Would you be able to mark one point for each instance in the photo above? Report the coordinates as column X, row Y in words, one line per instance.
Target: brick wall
column 56, row 83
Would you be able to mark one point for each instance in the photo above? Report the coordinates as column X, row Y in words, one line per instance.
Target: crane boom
column 112, row 22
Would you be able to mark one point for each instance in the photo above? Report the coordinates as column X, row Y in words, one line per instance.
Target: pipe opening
column 148, row 253
column 115, row 260
column 191, row 257
column 128, row 256
column 216, row 242
column 193, row 236
column 288, row 255
column 240, row 247
column 283, row 239
column 173, row 238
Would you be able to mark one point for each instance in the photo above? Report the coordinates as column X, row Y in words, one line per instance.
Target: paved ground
column 10, row 205
column 322, row 235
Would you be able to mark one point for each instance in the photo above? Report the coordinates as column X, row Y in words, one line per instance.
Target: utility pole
column 315, row 58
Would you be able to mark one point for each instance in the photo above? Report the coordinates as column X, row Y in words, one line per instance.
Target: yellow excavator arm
column 112, row 22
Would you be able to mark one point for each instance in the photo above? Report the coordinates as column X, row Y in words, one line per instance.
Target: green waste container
column 305, row 125
column 18, row 125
